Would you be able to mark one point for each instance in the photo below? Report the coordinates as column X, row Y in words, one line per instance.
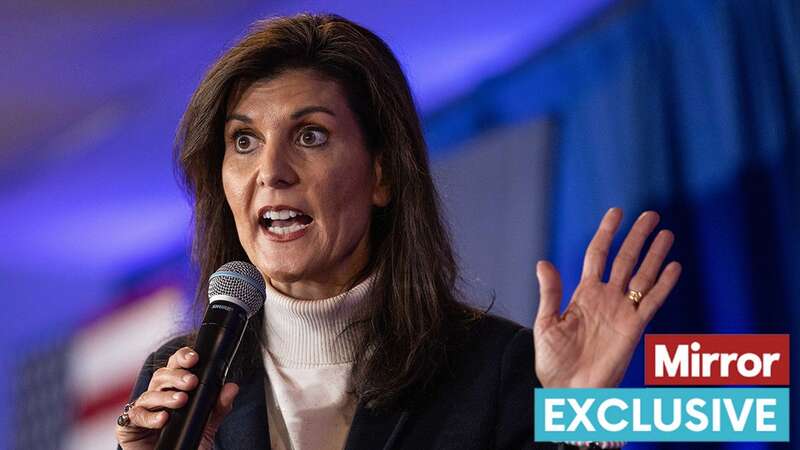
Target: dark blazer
column 486, row 403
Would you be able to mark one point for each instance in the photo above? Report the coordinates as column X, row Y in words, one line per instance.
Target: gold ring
column 635, row 296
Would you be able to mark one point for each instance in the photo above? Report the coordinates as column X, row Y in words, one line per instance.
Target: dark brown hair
column 415, row 315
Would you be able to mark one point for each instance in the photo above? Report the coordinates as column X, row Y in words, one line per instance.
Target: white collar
column 305, row 333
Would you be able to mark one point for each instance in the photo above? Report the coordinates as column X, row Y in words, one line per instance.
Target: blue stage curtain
column 689, row 107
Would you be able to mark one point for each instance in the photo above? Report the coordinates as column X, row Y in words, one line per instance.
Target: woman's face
column 300, row 182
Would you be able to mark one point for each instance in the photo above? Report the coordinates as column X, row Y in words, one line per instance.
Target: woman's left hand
column 591, row 344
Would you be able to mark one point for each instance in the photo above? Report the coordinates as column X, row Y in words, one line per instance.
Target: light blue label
column 662, row 414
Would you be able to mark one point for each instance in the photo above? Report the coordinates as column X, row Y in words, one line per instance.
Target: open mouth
column 284, row 220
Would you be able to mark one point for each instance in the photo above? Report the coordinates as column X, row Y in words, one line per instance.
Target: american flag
column 70, row 394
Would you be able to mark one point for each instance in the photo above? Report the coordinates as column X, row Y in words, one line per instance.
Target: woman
column 304, row 155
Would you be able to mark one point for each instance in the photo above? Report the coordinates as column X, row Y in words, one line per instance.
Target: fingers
column 148, row 410
column 143, row 418
column 628, row 254
column 550, row 292
column 226, row 397
column 648, row 271
column 653, row 300
column 594, row 263
column 157, row 400
column 175, row 375
column 183, row 358
column 222, row 408
column 165, row 378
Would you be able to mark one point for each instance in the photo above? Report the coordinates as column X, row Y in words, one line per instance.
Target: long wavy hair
column 415, row 315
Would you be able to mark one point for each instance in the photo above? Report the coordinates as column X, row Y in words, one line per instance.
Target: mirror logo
column 680, row 414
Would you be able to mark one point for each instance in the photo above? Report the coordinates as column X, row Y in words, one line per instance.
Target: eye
column 244, row 143
column 312, row 137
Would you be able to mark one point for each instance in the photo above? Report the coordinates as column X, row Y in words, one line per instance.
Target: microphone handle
column 217, row 340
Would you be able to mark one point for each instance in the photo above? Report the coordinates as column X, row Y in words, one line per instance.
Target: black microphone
column 235, row 292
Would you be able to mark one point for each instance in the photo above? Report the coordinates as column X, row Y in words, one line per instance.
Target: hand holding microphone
column 191, row 387
column 168, row 390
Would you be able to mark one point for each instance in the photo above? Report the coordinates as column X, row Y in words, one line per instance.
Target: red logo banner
column 716, row 359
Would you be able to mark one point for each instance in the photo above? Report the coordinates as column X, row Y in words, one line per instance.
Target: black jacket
column 487, row 403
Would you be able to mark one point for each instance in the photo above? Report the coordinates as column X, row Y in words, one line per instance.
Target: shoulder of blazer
column 492, row 339
column 499, row 329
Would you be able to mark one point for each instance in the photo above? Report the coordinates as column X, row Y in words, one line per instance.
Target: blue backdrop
column 688, row 107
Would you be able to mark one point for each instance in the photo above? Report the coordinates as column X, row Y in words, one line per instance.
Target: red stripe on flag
column 109, row 399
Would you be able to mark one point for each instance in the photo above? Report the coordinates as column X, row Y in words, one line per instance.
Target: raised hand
column 591, row 343
column 168, row 390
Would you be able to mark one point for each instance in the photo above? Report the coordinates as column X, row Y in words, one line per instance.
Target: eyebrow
column 311, row 109
column 239, row 117
column 295, row 115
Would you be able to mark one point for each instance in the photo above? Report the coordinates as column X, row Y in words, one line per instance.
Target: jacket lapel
column 375, row 430
column 246, row 425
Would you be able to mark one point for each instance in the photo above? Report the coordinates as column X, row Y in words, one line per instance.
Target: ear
column 381, row 192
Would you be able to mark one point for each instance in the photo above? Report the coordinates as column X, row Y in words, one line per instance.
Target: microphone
column 235, row 292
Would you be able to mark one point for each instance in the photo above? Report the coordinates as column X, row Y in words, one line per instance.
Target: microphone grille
column 241, row 281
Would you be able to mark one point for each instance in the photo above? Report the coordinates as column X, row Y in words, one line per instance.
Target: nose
column 275, row 169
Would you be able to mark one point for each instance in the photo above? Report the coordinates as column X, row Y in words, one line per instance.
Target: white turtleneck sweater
column 308, row 360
